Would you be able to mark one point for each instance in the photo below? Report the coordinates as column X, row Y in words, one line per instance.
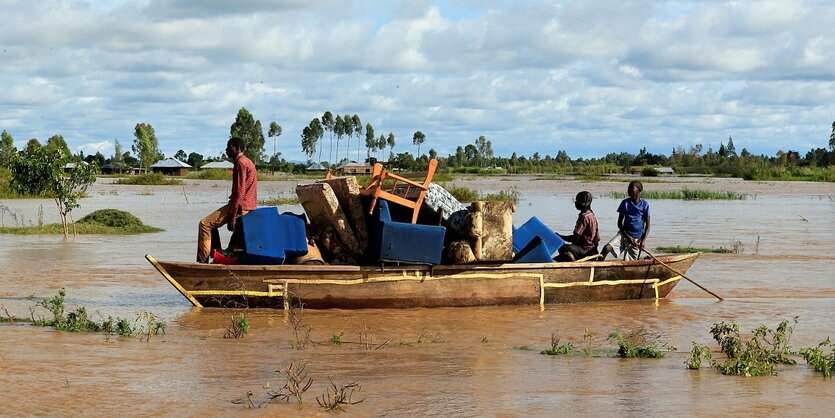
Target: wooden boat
column 353, row 287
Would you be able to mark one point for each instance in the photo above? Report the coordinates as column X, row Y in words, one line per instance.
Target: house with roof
column 68, row 167
column 171, row 167
column 219, row 165
column 317, row 167
column 353, row 168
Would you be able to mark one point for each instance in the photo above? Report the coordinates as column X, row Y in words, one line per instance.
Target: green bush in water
column 112, row 217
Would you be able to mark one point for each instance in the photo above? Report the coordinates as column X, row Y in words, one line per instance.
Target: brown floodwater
column 448, row 361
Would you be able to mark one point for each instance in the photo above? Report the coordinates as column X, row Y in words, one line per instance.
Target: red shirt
column 586, row 230
column 244, row 184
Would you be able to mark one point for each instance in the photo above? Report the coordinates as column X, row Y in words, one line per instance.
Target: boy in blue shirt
column 633, row 225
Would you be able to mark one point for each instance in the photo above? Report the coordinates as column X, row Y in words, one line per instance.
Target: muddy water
column 459, row 362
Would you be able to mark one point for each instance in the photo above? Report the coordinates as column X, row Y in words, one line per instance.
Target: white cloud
column 588, row 77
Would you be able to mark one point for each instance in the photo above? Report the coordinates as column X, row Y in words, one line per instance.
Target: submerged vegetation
column 103, row 221
column 144, row 327
column 688, row 249
column 280, row 199
column 637, row 343
column 683, row 194
column 758, row 356
column 467, row 195
column 149, row 179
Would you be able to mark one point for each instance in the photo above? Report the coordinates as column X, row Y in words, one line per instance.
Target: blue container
column 534, row 252
column 531, row 229
column 402, row 242
column 271, row 238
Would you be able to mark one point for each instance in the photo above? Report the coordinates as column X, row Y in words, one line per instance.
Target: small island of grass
column 104, row 221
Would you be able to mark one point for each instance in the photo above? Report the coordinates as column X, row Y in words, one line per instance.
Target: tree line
column 476, row 156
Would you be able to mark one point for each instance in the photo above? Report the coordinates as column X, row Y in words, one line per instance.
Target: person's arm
column 646, row 231
column 234, row 197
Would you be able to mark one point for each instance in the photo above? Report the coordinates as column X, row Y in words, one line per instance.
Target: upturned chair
column 397, row 189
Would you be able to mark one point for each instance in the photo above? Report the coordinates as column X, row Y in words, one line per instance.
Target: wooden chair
column 398, row 189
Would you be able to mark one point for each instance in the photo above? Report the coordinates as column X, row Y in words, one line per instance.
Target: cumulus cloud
column 539, row 76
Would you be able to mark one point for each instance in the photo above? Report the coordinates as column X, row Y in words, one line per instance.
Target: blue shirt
column 635, row 215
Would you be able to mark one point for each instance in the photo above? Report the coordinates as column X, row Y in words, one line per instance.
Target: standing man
column 243, row 199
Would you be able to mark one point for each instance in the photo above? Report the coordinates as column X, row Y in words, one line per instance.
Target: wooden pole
column 681, row 274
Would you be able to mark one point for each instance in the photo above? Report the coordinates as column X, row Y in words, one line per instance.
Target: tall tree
column 117, row 161
column 418, row 139
column 484, row 148
column 146, row 145
column 390, row 142
column 370, row 141
column 32, row 146
column 274, row 133
column 381, row 144
column 730, row 149
column 339, row 130
column 42, row 172
column 195, row 160
column 355, row 120
column 328, row 124
column 249, row 130
column 832, row 138
column 7, row 149
column 57, row 144
column 181, row 155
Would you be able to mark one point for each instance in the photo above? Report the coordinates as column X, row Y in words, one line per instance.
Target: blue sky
column 588, row 77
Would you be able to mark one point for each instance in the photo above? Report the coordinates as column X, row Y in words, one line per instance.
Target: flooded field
column 450, row 361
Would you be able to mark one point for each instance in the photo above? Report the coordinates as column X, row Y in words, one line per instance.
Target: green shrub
column 758, row 356
column 111, row 217
column 150, row 179
column 819, row 360
column 638, row 343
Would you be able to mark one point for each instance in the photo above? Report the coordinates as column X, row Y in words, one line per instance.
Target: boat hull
column 357, row 287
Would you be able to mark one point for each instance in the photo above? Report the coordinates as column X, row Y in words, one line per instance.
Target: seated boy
column 583, row 241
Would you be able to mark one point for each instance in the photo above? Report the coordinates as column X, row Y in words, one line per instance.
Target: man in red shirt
column 243, row 199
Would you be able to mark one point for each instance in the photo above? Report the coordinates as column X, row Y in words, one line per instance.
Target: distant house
column 354, row 168
column 70, row 166
column 662, row 171
column 111, row 168
column 219, row 165
column 171, row 167
column 316, row 167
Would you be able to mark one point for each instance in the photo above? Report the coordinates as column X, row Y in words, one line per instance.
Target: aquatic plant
column 818, row 359
column 426, row 337
column 280, row 199
column 683, row 194
column 296, row 384
column 558, row 349
column 148, row 326
column 77, row 321
column 463, row 194
column 508, row 195
column 688, row 249
column 238, row 327
column 336, row 339
column 301, row 331
column 637, row 343
column 698, row 353
column 758, row 356
column 104, row 221
column 149, row 179
column 341, row 396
